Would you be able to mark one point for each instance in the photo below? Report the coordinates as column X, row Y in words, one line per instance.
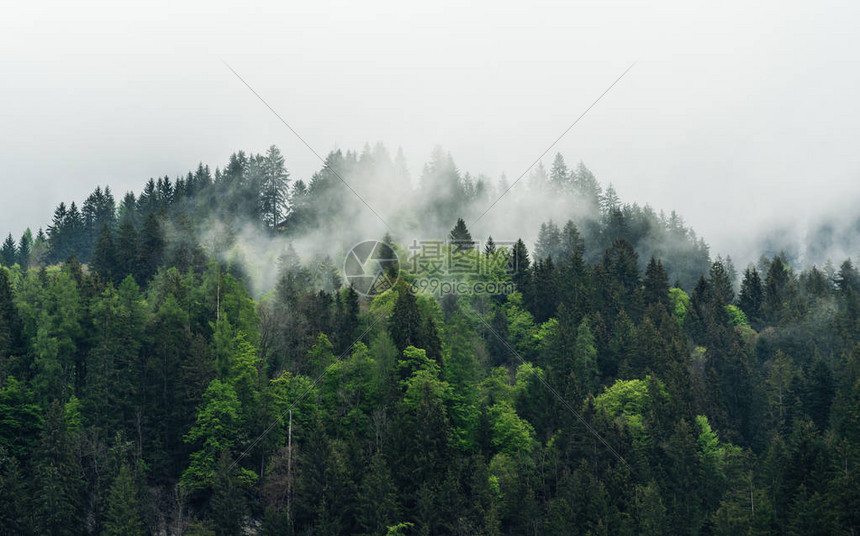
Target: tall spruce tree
column 571, row 243
column 559, row 174
column 549, row 242
column 127, row 250
column 8, row 252
column 123, row 507
column 151, row 249
column 460, row 237
column 752, row 294
column 274, row 188
column 721, row 282
column 104, row 256
column 25, row 249
column 490, row 247
column 656, row 284
column 405, row 322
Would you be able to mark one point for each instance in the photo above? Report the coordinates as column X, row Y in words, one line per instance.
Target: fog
column 742, row 118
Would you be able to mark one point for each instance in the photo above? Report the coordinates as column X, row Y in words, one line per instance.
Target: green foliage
column 461, row 373
column 424, row 381
column 20, row 418
column 123, row 514
column 629, row 401
column 521, row 326
column 58, row 501
column 585, row 357
column 679, row 304
column 511, row 434
column 737, row 316
column 216, row 430
column 289, row 392
column 460, row 236
column 228, row 501
column 8, row 252
column 58, row 333
column 320, row 356
column 405, row 321
column 397, row 530
column 74, row 419
column 715, row 454
column 378, row 499
column 349, row 390
column 151, row 365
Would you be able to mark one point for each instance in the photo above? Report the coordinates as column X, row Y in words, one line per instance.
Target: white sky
column 737, row 115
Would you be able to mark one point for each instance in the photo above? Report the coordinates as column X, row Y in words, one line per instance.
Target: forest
column 190, row 360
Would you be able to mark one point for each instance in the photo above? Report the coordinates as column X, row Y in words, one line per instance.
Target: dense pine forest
column 190, row 359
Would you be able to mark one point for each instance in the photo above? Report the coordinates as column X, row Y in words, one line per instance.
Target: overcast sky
column 738, row 115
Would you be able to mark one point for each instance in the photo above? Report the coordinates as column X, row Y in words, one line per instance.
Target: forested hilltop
column 190, row 360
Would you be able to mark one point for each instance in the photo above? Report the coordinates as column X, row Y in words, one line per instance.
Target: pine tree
column 40, row 251
column 111, row 381
column 25, row 249
column 74, row 233
column 650, row 511
column 610, row 201
column 656, row 284
column 818, row 394
column 151, row 249
column 519, row 265
column 586, row 186
column 127, row 250
column 559, row 174
column 346, row 318
column 147, row 201
column 497, row 339
column 274, row 188
column 460, row 236
column 123, row 507
column 405, row 322
column 848, row 278
column 11, row 337
column 377, row 499
column 489, row 247
column 59, row 507
column 585, row 358
column 98, row 210
column 165, row 192
column 57, row 234
column 621, row 265
column 104, row 256
column 549, row 242
column 128, row 209
column 429, row 339
column 8, row 252
column 752, row 294
column 15, row 511
column 721, row 283
column 539, row 178
column 228, row 500
column 777, row 290
column 543, row 300
column 571, row 244
column 58, row 365
column 169, row 345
